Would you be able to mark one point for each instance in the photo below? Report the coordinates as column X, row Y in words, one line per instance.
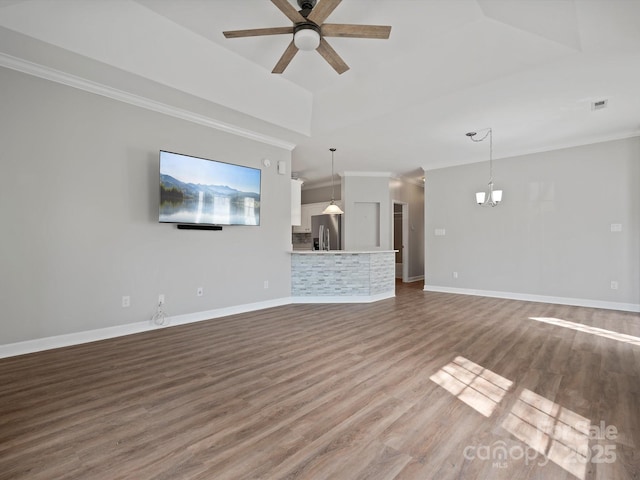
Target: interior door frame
column 405, row 236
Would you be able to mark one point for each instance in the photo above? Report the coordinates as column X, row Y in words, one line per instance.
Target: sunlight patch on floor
column 558, row 433
column 555, row 432
column 601, row 332
column 476, row 386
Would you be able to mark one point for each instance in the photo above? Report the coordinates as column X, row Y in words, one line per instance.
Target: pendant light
column 491, row 197
column 332, row 208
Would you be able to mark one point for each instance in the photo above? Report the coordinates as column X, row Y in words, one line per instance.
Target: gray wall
column 79, row 201
column 413, row 195
column 358, row 194
column 551, row 236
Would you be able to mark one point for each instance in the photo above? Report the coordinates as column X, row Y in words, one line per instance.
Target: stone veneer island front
column 336, row 276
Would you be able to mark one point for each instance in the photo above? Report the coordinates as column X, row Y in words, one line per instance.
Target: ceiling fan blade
column 286, row 58
column 256, row 32
column 322, row 10
column 355, row 31
column 330, row 55
column 288, row 9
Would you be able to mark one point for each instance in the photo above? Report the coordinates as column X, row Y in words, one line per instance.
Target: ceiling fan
column 309, row 32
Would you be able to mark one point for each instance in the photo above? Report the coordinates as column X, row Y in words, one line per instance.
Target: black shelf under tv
column 191, row 226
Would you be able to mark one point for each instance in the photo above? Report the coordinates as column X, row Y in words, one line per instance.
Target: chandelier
column 491, row 197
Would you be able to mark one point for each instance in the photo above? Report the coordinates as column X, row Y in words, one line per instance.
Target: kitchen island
column 340, row 276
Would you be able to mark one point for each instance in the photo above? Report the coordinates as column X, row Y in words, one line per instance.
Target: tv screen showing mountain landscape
column 196, row 190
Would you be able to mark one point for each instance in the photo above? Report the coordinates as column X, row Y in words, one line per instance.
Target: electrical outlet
column 126, row 301
column 200, row 291
column 161, row 299
column 614, row 285
column 455, row 274
column 266, row 284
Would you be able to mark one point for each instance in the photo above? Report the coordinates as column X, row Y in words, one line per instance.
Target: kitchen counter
column 342, row 276
column 340, row 252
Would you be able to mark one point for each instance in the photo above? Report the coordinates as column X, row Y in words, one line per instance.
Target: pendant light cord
column 490, row 135
column 332, row 177
column 332, row 208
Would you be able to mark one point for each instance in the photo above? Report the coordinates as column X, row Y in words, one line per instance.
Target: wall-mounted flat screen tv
column 199, row 191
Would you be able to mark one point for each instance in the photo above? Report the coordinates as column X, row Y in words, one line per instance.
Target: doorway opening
column 401, row 239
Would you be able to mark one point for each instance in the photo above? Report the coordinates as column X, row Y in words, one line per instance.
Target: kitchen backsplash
column 301, row 241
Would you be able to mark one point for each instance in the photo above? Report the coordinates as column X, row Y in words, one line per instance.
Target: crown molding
column 418, row 182
column 74, row 81
column 550, row 148
column 310, row 185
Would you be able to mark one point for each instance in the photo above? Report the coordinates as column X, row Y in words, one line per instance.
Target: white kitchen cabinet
column 305, row 219
column 296, row 200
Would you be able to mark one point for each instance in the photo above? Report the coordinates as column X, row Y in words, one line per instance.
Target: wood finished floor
column 423, row 386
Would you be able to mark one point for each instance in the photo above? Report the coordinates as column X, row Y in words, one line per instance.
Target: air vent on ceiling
column 599, row 105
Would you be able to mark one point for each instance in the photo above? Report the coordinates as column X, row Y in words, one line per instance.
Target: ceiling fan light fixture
column 307, row 38
column 310, row 32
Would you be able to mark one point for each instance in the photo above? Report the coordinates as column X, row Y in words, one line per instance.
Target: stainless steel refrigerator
column 326, row 232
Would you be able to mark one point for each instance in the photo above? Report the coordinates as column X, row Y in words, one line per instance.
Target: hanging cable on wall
column 160, row 318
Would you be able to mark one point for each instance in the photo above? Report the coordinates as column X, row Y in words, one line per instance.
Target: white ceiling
column 529, row 69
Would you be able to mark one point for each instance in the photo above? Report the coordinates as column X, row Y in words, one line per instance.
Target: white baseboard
column 57, row 341
column 346, row 299
column 76, row 338
column 415, row 279
column 577, row 302
column 226, row 311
